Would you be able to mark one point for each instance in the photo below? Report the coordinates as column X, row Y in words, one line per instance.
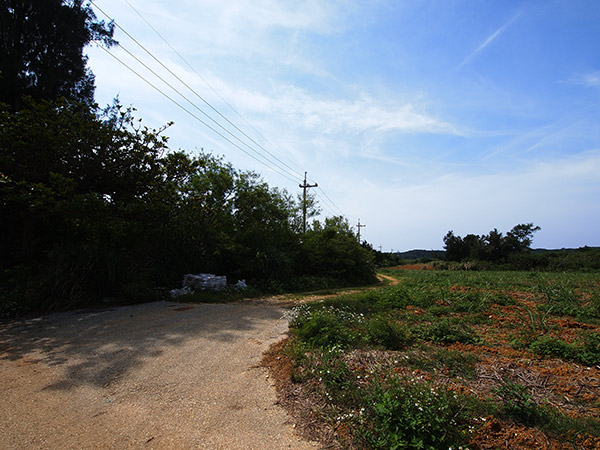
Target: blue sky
column 417, row 117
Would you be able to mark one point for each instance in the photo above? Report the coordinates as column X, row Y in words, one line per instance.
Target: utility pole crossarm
column 359, row 226
column 304, row 187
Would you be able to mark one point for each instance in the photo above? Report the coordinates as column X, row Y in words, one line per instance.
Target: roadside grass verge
column 432, row 362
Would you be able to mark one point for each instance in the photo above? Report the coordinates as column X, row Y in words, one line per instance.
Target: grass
column 419, row 364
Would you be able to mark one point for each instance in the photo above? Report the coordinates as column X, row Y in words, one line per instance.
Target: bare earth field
column 156, row 375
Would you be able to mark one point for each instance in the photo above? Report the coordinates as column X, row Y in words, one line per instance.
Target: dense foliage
column 41, row 50
column 384, row 259
column 95, row 206
column 491, row 247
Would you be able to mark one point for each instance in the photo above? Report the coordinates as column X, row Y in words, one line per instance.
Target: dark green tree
column 41, row 50
column 266, row 242
column 95, row 206
column 331, row 250
column 73, row 192
column 382, row 259
column 491, row 247
column 494, row 248
column 475, row 246
column 520, row 237
column 455, row 248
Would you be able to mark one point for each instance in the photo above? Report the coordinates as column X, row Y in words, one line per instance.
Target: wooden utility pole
column 304, row 187
column 359, row 226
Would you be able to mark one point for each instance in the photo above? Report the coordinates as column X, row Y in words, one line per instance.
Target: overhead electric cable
column 189, row 112
column 206, row 82
column 285, row 173
column 191, row 89
column 325, row 200
column 194, row 105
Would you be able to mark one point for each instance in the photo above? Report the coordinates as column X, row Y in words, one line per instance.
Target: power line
column 283, row 172
column 330, row 201
column 195, row 106
column 196, row 72
column 297, row 172
column 220, row 96
column 192, row 90
column 189, row 112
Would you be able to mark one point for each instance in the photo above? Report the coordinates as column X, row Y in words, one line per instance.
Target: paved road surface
column 156, row 375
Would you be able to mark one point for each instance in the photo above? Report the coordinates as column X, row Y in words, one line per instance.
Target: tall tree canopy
column 41, row 50
column 95, row 206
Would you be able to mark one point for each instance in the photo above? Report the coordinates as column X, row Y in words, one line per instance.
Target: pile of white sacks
column 203, row 282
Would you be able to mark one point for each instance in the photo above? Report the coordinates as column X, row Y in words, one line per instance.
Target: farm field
column 448, row 359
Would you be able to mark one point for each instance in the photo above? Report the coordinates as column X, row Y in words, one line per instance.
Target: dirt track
column 157, row 375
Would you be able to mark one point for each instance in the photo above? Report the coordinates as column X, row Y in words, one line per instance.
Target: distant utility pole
column 359, row 226
column 305, row 186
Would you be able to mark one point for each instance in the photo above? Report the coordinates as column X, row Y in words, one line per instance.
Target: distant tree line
column 512, row 251
column 383, row 259
column 95, row 206
column 579, row 259
column 493, row 247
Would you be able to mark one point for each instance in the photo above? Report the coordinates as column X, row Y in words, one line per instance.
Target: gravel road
column 157, row 375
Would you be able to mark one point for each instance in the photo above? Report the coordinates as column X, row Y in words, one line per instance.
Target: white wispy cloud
column 216, row 27
column 588, row 79
column 491, row 38
column 334, row 115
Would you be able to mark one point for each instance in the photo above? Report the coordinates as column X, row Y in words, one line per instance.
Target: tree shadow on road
column 99, row 347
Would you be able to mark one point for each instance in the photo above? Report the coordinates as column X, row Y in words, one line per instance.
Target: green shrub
column 588, row 352
column 383, row 332
column 592, row 309
column 337, row 378
column 456, row 363
column 405, row 415
column 12, row 309
column 503, row 299
column 446, row 331
column 324, row 329
column 471, row 302
column 356, row 303
column 551, row 346
column 517, row 405
column 533, row 323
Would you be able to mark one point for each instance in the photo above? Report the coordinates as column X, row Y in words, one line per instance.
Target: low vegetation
column 451, row 359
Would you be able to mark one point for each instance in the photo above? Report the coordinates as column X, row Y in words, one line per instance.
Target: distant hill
column 419, row 254
column 565, row 250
